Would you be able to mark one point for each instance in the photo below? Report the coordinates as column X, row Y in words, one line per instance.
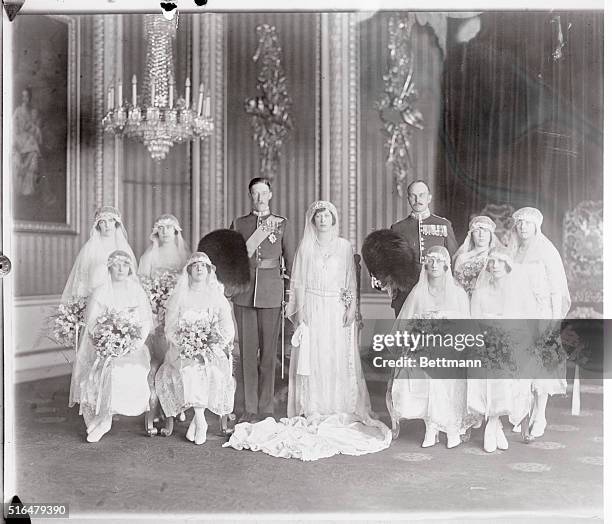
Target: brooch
column 272, row 238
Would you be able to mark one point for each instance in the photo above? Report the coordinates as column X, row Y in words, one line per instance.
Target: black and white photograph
column 303, row 265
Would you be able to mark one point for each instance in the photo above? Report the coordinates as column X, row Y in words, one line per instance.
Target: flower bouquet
column 549, row 350
column 496, row 352
column 198, row 336
column 158, row 290
column 66, row 322
column 468, row 274
column 115, row 333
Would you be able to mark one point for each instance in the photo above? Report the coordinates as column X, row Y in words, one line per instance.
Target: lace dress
column 328, row 404
column 185, row 383
column 104, row 387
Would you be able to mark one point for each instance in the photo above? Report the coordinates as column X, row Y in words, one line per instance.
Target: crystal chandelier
column 165, row 121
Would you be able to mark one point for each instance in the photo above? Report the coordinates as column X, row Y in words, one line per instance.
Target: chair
column 501, row 214
column 583, row 259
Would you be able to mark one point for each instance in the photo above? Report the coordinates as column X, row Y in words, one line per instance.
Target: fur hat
column 388, row 257
column 227, row 251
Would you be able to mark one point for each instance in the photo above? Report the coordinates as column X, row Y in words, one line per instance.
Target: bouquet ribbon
column 103, row 374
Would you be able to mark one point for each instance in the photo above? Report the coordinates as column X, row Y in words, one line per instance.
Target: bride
column 328, row 403
column 441, row 403
column 104, row 386
column 89, row 270
column 182, row 383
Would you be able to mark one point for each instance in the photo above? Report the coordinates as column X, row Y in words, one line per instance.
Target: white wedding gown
column 328, row 405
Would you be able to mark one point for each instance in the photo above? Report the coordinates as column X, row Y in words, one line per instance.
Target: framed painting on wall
column 45, row 124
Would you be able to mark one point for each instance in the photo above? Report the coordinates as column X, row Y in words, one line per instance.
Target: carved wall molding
column 98, row 45
column 339, row 97
column 208, row 165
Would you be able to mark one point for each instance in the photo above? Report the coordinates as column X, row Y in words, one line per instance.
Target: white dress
column 184, row 383
column 544, row 268
column 325, row 374
column 104, row 387
column 510, row 394
column 328, row 403
column 441, row 403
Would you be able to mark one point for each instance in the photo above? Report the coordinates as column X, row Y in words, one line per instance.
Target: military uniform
column 258, row 309
column 422, row 232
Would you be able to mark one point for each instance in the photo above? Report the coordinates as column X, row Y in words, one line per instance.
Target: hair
column 259, row 180
column 508, row 268
column 418, row 181
column 190, row 266
column 319, row 211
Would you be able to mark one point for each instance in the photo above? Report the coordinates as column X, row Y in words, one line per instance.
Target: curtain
column 520, row 126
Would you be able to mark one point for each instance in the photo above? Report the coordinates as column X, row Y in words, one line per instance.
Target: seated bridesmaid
column 197, row 369
column 168, row 254
column 110, row 371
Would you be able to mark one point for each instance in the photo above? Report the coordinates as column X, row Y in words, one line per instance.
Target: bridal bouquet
column 549, row 350
column 65, row 322
column 198, row 336
column 496, row 351
column 158, row 290
column 116, row 333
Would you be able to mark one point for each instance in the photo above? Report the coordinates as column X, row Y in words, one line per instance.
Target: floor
column 559, row 475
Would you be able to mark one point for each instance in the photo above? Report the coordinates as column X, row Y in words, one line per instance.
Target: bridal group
column 158, row 335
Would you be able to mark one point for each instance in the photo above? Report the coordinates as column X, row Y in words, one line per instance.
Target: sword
column 283, row 305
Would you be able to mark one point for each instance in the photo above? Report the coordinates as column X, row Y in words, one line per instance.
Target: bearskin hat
column 227, row 251
column 388, row 257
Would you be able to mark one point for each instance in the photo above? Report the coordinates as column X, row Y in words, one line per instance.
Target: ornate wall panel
column 379, row 206
column 298, row 180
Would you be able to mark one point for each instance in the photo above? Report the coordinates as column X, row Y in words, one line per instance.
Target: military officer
column 422, row 229
column 258, row 310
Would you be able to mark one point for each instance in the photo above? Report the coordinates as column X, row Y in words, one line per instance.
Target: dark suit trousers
column 257, row 329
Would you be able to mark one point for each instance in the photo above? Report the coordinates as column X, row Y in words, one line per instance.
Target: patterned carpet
column 559, row 475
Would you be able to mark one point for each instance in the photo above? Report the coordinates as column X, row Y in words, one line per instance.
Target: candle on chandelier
column 200, row 99
column 109, row 99
column 134, row 81
column 171, row 97
column 120, row 93
column 152, row 93
column 187, row 92
column 207, row 106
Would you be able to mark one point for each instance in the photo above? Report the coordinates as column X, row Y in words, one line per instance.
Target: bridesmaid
column 470, row 258
column 167, row 253
column 106, row 385
column 183, row 382
column 89, row 270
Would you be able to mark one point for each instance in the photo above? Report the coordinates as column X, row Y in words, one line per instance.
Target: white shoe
column 502, row 441
column 490, row 437
column 452, row 440
column 200, row 433
column 537, row 430
column 516, row 429
column 191, row 431
column 99, row 430
column 431, row 438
